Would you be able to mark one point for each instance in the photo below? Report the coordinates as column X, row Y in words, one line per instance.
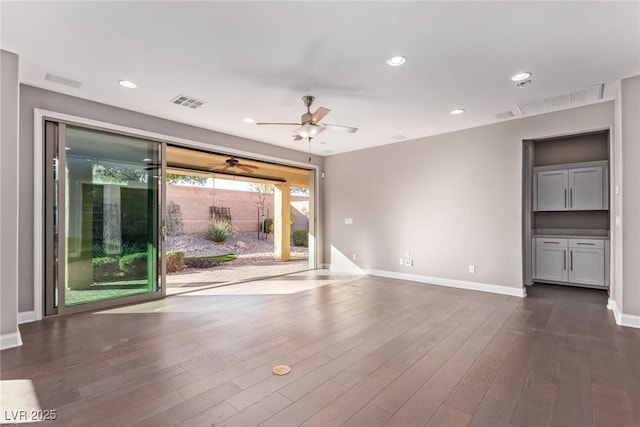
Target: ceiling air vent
column 187, row 101
column 62, row 80
column 504, row 115
column 567, row 100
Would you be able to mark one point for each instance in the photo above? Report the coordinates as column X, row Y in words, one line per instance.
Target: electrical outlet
column 354, row 257
column 408, row 262
column 407, row 254
column 401, row 261
column 472, row 268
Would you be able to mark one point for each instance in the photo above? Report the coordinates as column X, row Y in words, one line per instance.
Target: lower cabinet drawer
column 586, row 243
column 551, row 242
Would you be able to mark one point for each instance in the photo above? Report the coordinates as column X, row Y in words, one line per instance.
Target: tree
column 263, row 190
column 118, row 175
column 173, row 178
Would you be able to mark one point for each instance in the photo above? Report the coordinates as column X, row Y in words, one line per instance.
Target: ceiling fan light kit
column 309, row 127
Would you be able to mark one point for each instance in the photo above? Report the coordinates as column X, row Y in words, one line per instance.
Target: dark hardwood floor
column 364, row 352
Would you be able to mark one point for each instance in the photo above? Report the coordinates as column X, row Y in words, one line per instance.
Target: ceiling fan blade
column 280, row 124
column 297, row 138
column 339, row 128
column 226, row 167
column 246, row 168
column 320, row 113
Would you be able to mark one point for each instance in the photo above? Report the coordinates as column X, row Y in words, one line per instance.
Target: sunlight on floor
column 19, row 403
column 201, row 299
column 289, row 284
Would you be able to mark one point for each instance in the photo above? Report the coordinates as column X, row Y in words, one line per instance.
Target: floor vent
column 62, row 80
column 567, row 100
column 187, row 101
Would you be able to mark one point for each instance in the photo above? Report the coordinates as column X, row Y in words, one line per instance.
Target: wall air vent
column 504, row 115
column 572, row 99
column 187, row 101
column 62, row 80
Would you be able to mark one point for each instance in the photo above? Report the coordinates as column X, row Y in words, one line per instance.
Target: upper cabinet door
column 551, row 190
column 586, row 189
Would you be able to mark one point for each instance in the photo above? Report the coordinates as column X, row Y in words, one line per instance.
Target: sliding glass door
column 104, row 215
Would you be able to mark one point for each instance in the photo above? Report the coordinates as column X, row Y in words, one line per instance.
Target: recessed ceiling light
column 128, row 84
column 521, row 76
column 457, row 111
column 146, row 159
column 249, row 120
column 67, row 148
column 396, row 60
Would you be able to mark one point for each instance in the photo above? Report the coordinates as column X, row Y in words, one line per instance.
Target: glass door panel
column 108, row 208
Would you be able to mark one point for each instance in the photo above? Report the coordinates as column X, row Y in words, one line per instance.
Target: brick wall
column 195, row 203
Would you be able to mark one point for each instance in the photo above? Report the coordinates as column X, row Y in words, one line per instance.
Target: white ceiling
column 256, row 59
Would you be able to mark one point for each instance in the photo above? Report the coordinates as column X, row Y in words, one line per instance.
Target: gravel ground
column 244, row 244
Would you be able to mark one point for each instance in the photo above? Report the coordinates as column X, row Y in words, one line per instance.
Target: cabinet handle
column 587, row 244
column 571, row 265
column 571, row 197
column 554, row 243
column 564, row 259
column 565, row 197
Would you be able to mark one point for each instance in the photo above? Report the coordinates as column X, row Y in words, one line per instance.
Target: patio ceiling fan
column 309, row 126
column 232, row 163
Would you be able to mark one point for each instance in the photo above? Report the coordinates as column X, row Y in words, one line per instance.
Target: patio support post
column 282, row 222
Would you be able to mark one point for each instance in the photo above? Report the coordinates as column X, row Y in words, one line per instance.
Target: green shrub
column 209, row 261
column 101, row 250
column 219, row 230
column 175, row 261
column 134, row 265
column 300, row 238
column 104, row 268
column 267, row 226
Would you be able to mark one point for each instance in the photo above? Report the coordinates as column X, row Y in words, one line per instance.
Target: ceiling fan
column 309, row 126
column 232, row 163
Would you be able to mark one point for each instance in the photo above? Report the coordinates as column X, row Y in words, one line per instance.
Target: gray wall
column 9, row 193
column 630, row 98
column 452, row 200
column 31, row 97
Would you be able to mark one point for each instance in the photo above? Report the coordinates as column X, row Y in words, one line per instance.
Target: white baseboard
column 26, row 317
column 629, row 320
column 10, row 340
column 484, row 287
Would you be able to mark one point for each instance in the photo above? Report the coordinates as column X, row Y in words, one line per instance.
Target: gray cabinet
column 551, row 260
column 587, row 262
column 552, row 187
column 579, row 261
column 579, row 186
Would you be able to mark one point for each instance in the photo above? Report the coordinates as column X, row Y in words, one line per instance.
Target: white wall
column 630, row 124
column 31, row 98
column 9, row 190
column 451, row 200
